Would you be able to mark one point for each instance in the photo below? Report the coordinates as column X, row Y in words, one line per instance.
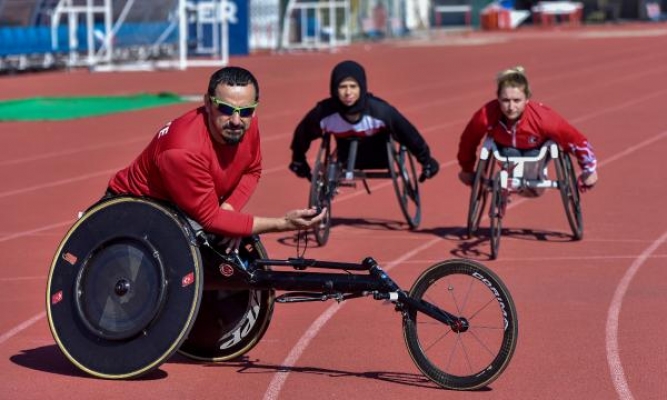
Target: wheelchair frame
column 502, row 184
column 329, row 175
column 483, row 321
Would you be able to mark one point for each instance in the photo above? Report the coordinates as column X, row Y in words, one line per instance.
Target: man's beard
column 235, row 139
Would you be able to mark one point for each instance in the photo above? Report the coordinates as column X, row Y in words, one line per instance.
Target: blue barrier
column 19, row 40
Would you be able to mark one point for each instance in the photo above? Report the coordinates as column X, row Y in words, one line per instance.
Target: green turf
column 62, row 108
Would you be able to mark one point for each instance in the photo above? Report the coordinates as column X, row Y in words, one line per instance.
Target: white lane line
column 21, row 327
column 22, row 278
column 69, row 152
column 613, row 355
column 36, row 230
column 58, row 182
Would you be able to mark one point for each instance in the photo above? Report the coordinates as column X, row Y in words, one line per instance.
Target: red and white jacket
column 537, row 124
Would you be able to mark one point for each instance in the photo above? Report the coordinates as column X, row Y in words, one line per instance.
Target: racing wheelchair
column 135, row 281
column 348, row 160
column 502, row 176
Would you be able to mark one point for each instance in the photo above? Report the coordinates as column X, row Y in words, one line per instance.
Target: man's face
column 513, row 101
column 230, row 112
column 348, row 91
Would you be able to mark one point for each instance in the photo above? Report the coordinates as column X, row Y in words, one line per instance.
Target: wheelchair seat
column 371, row 152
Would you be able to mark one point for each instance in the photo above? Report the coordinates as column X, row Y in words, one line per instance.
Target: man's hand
column 587, row 180
column 304, row 219
column 468, row 178
column 301, row 169
column 429, row 169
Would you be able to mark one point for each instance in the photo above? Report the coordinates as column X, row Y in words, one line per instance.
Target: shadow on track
column 247, row 366
column 50, row 359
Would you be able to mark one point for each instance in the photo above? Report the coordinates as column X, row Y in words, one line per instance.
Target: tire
column 479, row 194
column 475, row 357
column 569, row 192
column 124, row 288
column 321, row 193
column 231, row 321
column 406, row 186
column 496, row 217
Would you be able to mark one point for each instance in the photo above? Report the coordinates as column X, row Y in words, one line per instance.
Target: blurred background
column 147, row 34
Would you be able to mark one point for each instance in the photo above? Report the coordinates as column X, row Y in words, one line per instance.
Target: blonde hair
column 513, row 77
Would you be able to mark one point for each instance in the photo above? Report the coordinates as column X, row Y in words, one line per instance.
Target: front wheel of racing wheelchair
column 476, row 349
column 126, row 291
column 353, row 159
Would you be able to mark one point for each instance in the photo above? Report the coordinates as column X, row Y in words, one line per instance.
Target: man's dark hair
column 232, row 76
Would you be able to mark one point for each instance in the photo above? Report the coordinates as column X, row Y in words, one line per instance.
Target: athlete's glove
column 587, row 180
column 429, row 169
column 301, row 169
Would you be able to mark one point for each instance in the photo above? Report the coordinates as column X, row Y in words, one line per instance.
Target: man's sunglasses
column 229, row 110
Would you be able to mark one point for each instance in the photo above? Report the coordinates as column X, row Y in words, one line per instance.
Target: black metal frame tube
column 314, row 281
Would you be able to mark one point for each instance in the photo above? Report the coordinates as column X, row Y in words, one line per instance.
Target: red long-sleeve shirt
column 537, row 124
column 184, row 166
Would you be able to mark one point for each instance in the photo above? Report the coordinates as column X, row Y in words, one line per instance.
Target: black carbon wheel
column 124, row 288
column 473, row 354
column 479, row 194
column 496, row 212
column 231, row 321
column 406, row 186
column 569, row 192
column 321, row 193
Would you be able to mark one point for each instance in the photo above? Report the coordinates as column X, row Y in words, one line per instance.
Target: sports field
column 591, row 312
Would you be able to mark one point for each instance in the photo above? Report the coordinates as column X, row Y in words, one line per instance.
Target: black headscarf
column 342, row 71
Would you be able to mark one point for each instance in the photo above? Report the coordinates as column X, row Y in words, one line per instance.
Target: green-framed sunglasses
column 229, row 110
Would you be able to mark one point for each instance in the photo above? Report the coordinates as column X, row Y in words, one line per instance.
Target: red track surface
column 591, row 312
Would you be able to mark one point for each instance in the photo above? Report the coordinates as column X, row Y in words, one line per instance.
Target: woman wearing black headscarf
column 352, row 111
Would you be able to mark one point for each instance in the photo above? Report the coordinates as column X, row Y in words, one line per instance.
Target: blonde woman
column 519, row 127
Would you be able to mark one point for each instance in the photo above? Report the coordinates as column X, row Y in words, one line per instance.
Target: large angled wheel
column 404, row 177
column 569, row 192
column 124, row 288
column 231, row 321
column 472, row 354
column 479, row 194
column 321, row 192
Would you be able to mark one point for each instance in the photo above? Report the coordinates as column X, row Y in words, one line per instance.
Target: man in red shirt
column 208, row 162
column 519, row 127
